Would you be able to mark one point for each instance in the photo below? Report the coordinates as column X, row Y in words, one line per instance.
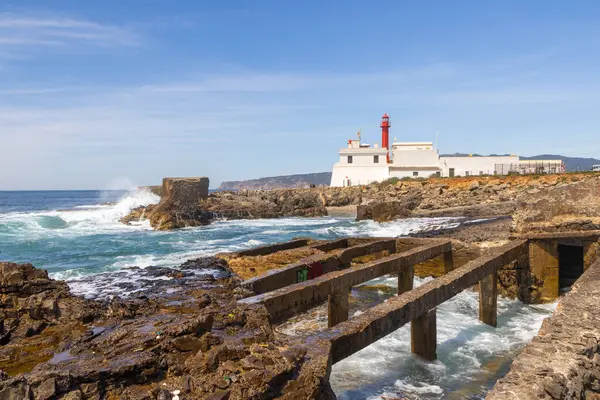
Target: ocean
column 77, row 237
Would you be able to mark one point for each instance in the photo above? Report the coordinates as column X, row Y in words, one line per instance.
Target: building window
column 438, row 174
column 376, row 159
column 349, row 159
column 415, row 173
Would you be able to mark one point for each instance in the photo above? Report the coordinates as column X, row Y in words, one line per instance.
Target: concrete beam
column 448, row 261
column 423, row 335
column 488, row 299
column 273, row 248
column 562, row 235
column 338, row 307
column 346, row 256
column 406, row 277
column 591, row 250
column 357, row 333
column 305, row 295
column 544, row 262
column 331, row 245
column 288, row 275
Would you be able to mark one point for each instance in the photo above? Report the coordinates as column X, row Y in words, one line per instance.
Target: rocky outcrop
column 192, row 209
column 37, row 314
column 387, row 211
column 479, row 197
column 179, row 203
column 563, row 360
column 183, row 338
column 564, row 207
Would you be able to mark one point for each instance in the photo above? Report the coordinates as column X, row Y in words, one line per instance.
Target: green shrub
column 388, row 182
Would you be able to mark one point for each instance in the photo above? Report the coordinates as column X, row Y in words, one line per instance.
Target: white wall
column 422, row 173
column 358, row 174
column 363, row 159
column 474, row 165
column 421, row 158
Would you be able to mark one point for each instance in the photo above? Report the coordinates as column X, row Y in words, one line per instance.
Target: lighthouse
column 385, row 134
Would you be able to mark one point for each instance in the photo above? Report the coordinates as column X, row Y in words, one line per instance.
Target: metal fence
column 530, row 167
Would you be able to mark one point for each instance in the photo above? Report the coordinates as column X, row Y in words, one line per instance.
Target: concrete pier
column 406, row 276
column 302, row 296
column 338, row 307
column 590, row 252
column 288, row 275
column 423, row 335
column 544, row 263
column 351, row 336
column 488, row 299
column 448, row 262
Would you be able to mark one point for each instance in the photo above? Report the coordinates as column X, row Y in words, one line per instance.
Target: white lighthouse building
column 362, row 164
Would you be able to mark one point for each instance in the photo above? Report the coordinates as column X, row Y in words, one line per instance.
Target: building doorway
column 570, row 264
column 451, row 172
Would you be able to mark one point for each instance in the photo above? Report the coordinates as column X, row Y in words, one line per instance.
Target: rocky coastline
column 186, row 202
column 181, row 337
column 179, row 333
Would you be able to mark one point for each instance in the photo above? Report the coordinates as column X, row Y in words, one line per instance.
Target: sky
column 111, row 94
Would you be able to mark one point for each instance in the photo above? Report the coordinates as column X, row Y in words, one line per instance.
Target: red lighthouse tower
column 385, row 134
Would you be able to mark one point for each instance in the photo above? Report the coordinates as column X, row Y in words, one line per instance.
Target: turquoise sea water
column 77, row 237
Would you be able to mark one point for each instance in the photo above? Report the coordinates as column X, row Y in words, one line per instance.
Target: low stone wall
column 563, row 360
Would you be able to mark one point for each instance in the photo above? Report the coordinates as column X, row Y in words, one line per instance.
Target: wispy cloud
column 22, row 34
column 197, row 124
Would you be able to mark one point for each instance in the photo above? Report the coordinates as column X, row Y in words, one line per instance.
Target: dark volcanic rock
column 190, row 338
column 37, row 316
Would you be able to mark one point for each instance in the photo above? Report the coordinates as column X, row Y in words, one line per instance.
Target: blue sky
column 108, row 94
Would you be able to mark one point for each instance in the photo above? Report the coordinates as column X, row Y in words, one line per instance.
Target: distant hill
column 324, row 178
column 280, row 182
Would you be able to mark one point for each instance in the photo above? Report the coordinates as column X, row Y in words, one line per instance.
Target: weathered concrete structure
column 314, row 266
column 551, row 258
column 541, row 264
column 563, row 360
column 351, row 336
column 335, row 285
column 272, row 248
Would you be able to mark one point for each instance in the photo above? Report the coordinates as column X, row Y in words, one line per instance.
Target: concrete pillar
column 448, row 262
column 406, row 276
column 543, row 261
column 590, row 253
column 488, row 299
column 338, row 307
column 423, row 336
